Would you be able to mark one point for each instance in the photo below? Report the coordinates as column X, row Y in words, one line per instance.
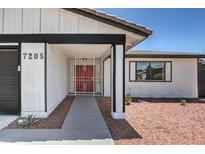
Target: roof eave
column 137, row 42
column 140, row 31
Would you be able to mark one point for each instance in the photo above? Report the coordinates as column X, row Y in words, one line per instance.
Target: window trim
column 164, row 80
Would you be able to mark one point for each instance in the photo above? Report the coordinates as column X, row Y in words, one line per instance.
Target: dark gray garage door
column 201, row 78
column 9, row 85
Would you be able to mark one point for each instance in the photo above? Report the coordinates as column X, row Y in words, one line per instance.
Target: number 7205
column 31, row 56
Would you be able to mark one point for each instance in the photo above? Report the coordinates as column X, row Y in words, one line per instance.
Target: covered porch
column 78, row 69
column 85, row 67
column 56, row 65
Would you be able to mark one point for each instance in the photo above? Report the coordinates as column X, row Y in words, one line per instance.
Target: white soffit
column 82, row 50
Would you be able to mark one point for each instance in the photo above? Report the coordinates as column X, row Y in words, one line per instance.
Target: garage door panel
column 8, row 73
column 9, row 85
column 9, row 91
column 8, row 106
column 9, row 58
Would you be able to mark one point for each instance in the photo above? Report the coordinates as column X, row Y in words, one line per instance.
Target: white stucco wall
column 184, row 80
column 33, row 79
column 57, row 77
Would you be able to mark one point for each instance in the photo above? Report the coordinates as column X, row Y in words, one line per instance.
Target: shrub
column 128, row 99
column 183, row 102
column 29, row 120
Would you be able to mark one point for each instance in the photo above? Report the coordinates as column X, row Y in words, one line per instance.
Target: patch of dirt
column 157, row 121
column 53, row 121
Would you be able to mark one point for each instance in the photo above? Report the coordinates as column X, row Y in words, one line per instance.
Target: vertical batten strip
column 40, row 21
column 59, row 21
column 3, row 22
column 22, row 20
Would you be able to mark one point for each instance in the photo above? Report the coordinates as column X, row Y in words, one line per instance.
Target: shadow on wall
column 119, row 129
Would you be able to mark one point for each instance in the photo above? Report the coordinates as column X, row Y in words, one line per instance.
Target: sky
column 173, row 29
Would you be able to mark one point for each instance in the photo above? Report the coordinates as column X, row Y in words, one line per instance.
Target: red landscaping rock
column 53, row 121
column 157, row 121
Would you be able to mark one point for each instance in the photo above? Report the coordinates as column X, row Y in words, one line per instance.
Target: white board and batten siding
column 53, row 20
column 33, row 79
column 180, row 74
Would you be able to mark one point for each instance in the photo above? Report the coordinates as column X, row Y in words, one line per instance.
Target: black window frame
column 164, row 72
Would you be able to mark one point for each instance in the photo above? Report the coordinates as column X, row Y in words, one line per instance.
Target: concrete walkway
column 6, row 119
column 84, row 115
column 83, row 124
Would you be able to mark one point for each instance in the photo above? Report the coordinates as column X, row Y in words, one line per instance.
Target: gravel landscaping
column 157, row 121
column 53, row 121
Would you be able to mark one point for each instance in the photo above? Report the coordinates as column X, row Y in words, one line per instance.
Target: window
column 150, row 71
column 145, row 71
column 153, row 71
column 157, row 71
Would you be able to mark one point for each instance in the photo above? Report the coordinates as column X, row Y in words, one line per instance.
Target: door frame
column 86, row 92
column 18, row 48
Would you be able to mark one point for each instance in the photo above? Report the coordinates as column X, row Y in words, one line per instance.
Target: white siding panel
column 68, row 22
column 119, row 78
column 104, row 28
column 132, row 71
column 57, row 77
column 87, row 25
column 168, row 71
column 1, row 20
column 71, row 75
column 12, row 20
column 32, row 80
column 107, row 77
column 50, row 21
column 184, row 80
column 31, row 20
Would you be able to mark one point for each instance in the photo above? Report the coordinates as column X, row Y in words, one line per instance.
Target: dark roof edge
column 161, row 56
column 122, row 24
column 164, row 56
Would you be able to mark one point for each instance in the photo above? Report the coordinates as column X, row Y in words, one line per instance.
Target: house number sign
column 35, row 56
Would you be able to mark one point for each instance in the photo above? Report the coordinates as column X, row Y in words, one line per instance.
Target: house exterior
column 47, row 54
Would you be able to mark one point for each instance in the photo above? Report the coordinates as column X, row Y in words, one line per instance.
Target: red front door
column 84, row 78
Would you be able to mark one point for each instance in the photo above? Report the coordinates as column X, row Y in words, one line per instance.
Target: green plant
column 128, row 99
column 183, row 102
column 29, row 120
